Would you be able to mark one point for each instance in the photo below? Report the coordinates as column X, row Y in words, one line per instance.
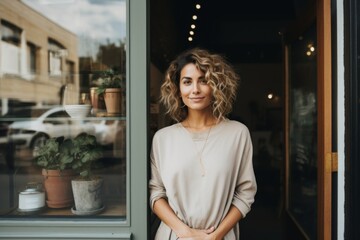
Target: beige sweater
column 202, row 201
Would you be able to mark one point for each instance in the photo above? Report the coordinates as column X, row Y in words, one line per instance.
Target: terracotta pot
column 58, row 187
column 112, row 97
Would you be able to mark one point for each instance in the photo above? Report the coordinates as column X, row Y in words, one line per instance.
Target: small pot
column 32, row 198
column 87, row 196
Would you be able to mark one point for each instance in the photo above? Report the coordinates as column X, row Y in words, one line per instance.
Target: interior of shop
column 249, row 34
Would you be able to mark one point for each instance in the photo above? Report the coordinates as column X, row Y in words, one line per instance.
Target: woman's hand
column 197, row 234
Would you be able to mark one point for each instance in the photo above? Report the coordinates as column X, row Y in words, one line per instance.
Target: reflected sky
column 95, row 22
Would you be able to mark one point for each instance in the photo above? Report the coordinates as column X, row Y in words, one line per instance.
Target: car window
column 56, row 118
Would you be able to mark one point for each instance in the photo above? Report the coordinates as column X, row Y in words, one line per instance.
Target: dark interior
column 249, row 34
column 243, row 31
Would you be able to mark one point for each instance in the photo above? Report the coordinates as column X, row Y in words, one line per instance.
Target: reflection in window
column 56, row 51
column 10, row 48
column 70, row 71
column 10, row 33
column 64, row 42
column 31, row 58
column 302, row 132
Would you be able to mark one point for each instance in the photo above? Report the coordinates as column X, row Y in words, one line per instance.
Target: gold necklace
column 203, row 171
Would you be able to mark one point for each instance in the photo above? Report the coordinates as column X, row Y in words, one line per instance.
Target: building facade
column 37, row 54
column 40, row 56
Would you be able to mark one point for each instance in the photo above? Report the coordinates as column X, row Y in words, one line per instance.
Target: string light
column 193, row 26
column 310, row 50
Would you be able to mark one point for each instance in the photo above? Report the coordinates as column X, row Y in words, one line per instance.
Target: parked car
column 46, row 123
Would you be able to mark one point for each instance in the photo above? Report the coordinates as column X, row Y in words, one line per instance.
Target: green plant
column 109, row 79
column 53, row 155
column 84, row 151
column 78, row 153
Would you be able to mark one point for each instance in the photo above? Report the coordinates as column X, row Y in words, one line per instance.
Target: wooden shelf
column 110, row 210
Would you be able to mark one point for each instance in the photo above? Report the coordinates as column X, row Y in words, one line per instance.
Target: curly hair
column 218, row 73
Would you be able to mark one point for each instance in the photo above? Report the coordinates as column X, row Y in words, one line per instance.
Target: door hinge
column 332, row 162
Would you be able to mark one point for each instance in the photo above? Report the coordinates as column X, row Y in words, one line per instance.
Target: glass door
column 308, row 124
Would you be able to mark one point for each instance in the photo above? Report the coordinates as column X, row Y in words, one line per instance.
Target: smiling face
column 195, row 92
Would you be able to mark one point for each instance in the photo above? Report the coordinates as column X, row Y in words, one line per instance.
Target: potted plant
column 110, row 86
column 84, row 150
column 57, row 172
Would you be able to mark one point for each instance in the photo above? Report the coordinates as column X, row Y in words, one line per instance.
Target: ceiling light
column 190, row 39
column 193, row 26
column 198, row 6
column 191, row 32
column 194, row 17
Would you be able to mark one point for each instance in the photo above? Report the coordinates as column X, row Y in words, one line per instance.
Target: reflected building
column 109, row 56
column 37, row 56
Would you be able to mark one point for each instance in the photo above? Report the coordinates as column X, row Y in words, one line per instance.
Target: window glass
column 31, row 60
column 10, row 33
column 61, row 56
column 303, row 184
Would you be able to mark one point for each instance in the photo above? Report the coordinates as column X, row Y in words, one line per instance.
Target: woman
column 202, row 180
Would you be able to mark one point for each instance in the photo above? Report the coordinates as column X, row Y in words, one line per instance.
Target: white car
column 46, row 123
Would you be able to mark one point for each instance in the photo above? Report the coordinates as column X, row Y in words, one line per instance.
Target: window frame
column 136, row 226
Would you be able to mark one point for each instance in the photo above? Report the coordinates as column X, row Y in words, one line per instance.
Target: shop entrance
column 257, row 39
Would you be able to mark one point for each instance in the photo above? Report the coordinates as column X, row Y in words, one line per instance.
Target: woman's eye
column 203, row 81
column 187, row 82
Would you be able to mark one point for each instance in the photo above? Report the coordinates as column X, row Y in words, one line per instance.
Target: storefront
column 47, row 49
column 57, row 52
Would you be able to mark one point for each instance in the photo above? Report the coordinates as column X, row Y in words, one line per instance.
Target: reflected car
column 105, row 131
column 46, row 123
column 112, row 133
column 11, row 116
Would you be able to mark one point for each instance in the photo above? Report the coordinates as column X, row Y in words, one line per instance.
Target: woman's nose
column 195, row 88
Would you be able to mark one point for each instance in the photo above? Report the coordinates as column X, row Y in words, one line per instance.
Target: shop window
column 75, row 34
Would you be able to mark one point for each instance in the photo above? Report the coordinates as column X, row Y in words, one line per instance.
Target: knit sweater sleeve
column 246, row 186
column 156, row 186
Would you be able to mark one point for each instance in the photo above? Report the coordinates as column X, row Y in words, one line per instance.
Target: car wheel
column 38, row 141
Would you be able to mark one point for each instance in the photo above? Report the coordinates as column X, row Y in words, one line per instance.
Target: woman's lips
column 197, row 99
